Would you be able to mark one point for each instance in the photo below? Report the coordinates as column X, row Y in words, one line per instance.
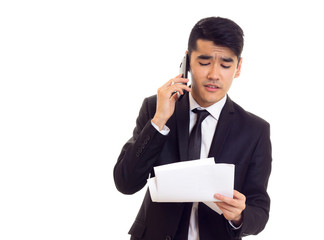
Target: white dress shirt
column 208, row 127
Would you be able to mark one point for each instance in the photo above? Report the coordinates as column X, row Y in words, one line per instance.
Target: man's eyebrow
column 227, row 59
column 205, row 57
column 208, row 57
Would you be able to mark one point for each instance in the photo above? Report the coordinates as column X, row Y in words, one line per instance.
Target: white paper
column 192, row 181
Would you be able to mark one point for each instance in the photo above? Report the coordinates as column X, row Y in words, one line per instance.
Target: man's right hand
column 166, row 101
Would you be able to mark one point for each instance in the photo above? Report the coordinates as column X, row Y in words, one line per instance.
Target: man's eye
column 204, row 64
column 224, row 66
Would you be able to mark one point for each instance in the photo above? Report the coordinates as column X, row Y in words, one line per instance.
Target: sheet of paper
column 192, row 181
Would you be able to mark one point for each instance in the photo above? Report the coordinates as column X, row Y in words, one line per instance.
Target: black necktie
column 195, row 136
column 193, row 154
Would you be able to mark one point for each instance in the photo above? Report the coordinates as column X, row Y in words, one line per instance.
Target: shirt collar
column 214, row 109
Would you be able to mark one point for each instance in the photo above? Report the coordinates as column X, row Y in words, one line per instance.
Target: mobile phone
column 184, row 66
column 184, row 69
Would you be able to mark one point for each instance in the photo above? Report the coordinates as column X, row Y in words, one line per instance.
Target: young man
column 228, row 133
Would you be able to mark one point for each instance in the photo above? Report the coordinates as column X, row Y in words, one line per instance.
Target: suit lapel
column 222, row 129
column 221, row 132
column 182, row 118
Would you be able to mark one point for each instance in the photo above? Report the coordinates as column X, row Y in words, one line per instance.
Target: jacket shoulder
column 249, row 117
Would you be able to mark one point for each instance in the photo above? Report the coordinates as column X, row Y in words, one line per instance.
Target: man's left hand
column 232, row 208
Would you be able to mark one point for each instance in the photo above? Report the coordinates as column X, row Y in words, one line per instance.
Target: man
column 228, row 133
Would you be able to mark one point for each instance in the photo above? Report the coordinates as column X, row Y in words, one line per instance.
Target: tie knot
column 201, row 114
column 195, row 135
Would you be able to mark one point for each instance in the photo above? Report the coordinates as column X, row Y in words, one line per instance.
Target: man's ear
column 238, row 70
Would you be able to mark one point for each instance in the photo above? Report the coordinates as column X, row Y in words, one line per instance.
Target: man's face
column 213, row 69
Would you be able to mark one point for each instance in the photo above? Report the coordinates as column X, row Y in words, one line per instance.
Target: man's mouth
column 211, row 86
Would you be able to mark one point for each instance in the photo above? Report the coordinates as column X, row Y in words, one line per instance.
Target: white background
column 73, row 76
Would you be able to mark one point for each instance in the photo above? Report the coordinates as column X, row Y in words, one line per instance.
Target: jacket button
column 168, row 238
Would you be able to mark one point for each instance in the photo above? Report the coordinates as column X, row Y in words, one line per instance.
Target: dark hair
column 221, row 31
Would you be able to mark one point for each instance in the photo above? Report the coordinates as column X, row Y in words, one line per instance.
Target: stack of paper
column 192, row 181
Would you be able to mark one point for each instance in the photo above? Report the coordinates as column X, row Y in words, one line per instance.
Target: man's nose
column 213, row 73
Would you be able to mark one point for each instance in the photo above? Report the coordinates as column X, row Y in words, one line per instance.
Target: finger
column 229, row 208
column 180, row 88
column 229, row 214
column 225, row 208
column 178, row 93
column 225, row 199
column 168, row 83
column 174, row 97
column 172, row 81
column 238, row 195
column 222, row 206
column 180, row 80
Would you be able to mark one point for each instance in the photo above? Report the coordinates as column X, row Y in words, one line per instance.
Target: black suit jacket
column 241, row 138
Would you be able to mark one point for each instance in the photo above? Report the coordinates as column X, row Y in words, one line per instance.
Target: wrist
column 158, row 122
column 238, row 221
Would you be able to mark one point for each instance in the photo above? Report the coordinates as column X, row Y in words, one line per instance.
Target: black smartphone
column 184, row 69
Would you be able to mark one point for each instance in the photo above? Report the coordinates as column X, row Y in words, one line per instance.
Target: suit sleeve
column 140, row 153
column 256, row 213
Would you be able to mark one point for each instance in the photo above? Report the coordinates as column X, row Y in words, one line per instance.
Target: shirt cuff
column 165, row 131
column 232, row 225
